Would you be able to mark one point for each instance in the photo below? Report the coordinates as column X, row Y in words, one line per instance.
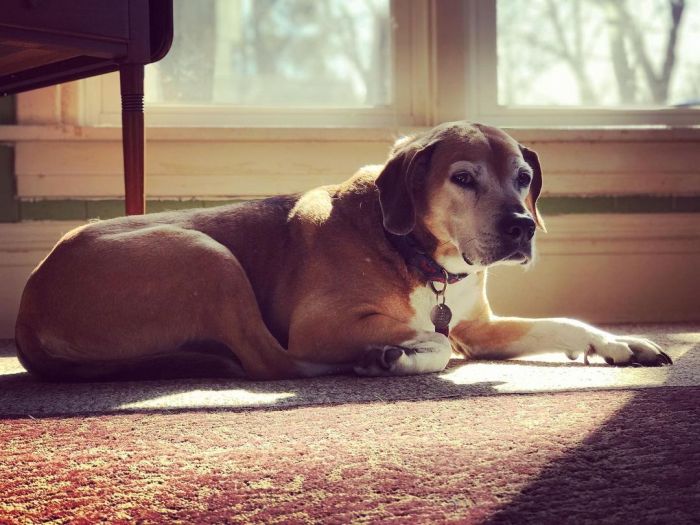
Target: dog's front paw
column 629, row 351
column 379, row 360
column 428, row 352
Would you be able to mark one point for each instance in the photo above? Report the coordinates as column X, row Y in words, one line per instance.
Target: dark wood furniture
column 45, row 42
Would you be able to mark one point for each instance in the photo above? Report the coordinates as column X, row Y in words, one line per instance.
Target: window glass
column 617, row 53
column 291, row 53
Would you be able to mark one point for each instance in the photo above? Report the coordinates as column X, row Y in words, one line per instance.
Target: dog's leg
column 427, row 352
column 108, row 302
column 370, row 345
column 507, row 337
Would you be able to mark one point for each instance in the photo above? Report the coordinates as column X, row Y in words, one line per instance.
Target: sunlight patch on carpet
column 10, row 365
column 685, row 337
column 544, row 373
column 210, row 399
column 511, row 378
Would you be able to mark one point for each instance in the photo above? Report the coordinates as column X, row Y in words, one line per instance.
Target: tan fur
column 484, row 333
column 480, row 330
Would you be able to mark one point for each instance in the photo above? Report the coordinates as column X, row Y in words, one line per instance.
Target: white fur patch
column 431, row 353
column 427, row 352
column 461, row 297
column 574, row 338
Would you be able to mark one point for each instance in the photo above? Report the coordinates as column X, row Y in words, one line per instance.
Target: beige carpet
column 22, row 396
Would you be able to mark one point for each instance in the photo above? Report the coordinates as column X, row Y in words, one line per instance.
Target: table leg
column 131, row 80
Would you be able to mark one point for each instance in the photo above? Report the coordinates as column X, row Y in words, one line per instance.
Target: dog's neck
column 425, row 239
column 419, row 249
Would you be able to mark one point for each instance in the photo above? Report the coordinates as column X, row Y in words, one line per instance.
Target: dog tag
column 441, row 315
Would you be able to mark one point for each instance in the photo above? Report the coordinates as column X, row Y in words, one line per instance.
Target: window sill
column 24, row 133
column 69, row 162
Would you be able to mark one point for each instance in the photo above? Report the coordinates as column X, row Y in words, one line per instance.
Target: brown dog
column 340, row 278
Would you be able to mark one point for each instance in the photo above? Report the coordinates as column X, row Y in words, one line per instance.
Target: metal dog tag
column 440, row 316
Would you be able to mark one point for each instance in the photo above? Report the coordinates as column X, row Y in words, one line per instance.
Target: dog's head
column 473, row 187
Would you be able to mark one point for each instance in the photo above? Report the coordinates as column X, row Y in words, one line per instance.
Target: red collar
column 415, row 256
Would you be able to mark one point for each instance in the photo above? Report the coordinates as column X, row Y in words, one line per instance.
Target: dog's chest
column 461, row 297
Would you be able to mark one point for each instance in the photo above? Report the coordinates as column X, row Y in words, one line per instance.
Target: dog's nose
column 518, row 227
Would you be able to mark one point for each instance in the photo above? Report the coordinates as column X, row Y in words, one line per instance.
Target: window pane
column 598, row 52
column 276, row 53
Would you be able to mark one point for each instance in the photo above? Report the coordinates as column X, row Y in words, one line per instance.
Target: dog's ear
column 407, row 167
column 535, row 186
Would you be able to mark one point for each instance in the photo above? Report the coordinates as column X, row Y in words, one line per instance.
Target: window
column 277, row 53
column 589, row 61
column 595, row 53
column 284, row 63
column 399, row 63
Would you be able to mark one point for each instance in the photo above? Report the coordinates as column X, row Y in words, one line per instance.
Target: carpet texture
column 601, row 457
column 544, row 441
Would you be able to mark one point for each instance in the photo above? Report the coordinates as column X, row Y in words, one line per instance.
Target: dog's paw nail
column 391, row 355
column 664, row 359
column 378, row 360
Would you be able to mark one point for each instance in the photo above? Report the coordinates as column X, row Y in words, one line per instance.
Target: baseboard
column 602, row 268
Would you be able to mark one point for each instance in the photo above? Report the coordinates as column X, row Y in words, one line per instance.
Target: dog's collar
column 415, row 256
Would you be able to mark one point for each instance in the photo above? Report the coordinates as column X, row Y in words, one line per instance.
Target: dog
column 381, row 275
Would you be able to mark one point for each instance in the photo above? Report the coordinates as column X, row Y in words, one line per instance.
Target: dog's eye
column 524, row 179
column 464, row 179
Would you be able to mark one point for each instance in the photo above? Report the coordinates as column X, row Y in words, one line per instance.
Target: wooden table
column 46, row 42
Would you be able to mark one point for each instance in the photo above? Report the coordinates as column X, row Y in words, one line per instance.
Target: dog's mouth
column 520, row 256
column 517, row 256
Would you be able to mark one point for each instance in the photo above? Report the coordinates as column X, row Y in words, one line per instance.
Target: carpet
column 534, row 442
